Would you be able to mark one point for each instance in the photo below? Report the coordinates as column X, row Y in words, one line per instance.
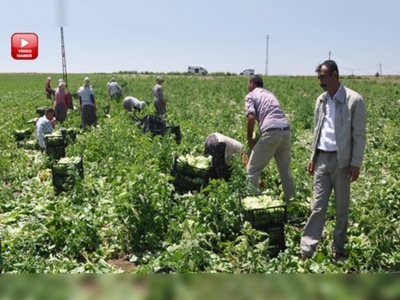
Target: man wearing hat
column 88, row 105
column 159, row 101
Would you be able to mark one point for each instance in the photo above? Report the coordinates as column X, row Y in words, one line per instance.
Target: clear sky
column 221, row 35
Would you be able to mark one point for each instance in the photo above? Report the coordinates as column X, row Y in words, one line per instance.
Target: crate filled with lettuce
column 191, row 172
column 22, row 134
column 268, row 215
column 65, row 172
column 55, row 145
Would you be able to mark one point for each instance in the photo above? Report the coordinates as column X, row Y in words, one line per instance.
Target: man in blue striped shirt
column 45, row 125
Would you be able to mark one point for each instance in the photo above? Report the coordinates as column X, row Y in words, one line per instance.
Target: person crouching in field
column 45, row 125
column 88, row 105
column 130, row 103
column 222, row 148
column 60, row 103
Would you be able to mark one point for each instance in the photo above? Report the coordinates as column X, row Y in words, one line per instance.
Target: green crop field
column 124, row 215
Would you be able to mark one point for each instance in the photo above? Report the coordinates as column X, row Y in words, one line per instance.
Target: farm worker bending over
column 48, row 89
column 263, row 107
column 88, row 105
column 338, row 151
column 45, row 125
column 60, row 103
column 159, row 101
column 114, row 90
column 222, row 148
column 132, row 102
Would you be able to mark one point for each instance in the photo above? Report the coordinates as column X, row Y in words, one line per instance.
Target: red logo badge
column 24, row 46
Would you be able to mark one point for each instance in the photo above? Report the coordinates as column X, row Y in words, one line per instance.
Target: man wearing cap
column 274, row 142
column 49, row 90
column 159, row 100
column 114, row 89
column 88, row 105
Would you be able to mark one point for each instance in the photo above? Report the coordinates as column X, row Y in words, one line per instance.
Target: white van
column 198, row 70
column 247, row 72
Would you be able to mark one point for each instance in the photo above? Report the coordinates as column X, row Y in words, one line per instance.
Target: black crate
column 40, row 111
column 276, row 237
column 184, row 183
column 64, row 174
column 154, row 125
column 55, row 152
column 264, row 218
column 66, row 166
column 271, row 220
column 190, row 171
column 29, row 145
column 54, row 140
column 22, row 134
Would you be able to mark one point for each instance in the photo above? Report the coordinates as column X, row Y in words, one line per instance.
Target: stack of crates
column 65, row 171
column 188, row 178
column 55, row 145
column 271, row 220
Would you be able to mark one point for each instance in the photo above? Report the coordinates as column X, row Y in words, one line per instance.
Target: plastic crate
column 183, row 183
column 29, row 145
column 54, row 140
column 271, row 220
column 55, row 152
column 64, row 173
column 276, row 236
column 191, row 171
column 66, row 165
column 40, row 111
column 22, row 134
column 154, row 125
column 264, row 218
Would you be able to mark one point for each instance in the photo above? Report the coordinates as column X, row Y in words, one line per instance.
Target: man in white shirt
column 114, row 90
column 45, row 125
column 338, row 152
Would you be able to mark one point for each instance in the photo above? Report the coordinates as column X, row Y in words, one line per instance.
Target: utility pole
column 64, row 62
column 329, row 55
column 380, row 69
column 266, row 57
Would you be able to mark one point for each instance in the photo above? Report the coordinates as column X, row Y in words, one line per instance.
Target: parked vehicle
column 198, row 70
column 247, row 72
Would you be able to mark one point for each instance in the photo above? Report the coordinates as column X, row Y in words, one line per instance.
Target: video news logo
column 24, row 46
